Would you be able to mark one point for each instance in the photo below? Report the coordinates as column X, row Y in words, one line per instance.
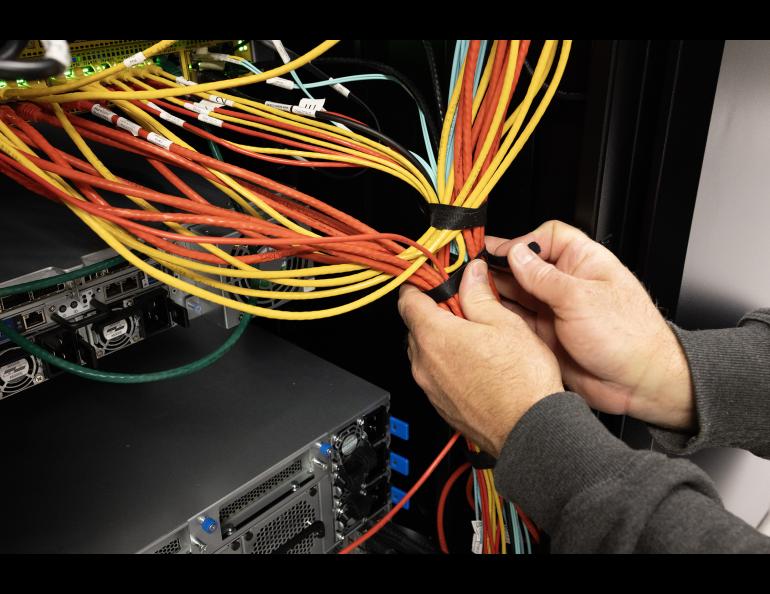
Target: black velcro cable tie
column 451, row 286
column 481, row 460
column 448, row 288
column 456, row 218
column 494, row 261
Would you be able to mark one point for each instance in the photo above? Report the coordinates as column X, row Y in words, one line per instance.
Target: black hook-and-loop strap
column 451, row 286
column 481, row 460
column 456, row 218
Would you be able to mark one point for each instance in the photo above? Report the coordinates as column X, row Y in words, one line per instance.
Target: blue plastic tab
column 397, row 495
column 325, row 449
column 399, row 464
column 399, row 428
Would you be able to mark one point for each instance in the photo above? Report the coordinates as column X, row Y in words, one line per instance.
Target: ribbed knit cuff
column 730, row 371
column 558, row 449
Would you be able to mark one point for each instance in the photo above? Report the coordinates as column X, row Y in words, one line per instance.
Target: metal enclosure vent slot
column 285, row 527
column 170, row 548
column 245, row 500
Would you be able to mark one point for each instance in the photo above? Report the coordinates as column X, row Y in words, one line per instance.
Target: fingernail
column 522, row 254
column 534, row 246
column 478, row 269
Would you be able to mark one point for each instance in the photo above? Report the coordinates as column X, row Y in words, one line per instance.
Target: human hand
column 613, row 345
column 481, row 373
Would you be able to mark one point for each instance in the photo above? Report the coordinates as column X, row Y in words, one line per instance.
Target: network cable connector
column 80, row 320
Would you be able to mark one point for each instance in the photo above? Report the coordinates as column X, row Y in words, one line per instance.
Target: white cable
column 59, row 50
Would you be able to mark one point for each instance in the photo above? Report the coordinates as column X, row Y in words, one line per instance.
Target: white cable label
column 155, row 107
column 159, row 140
column 223, row 58
column 128, row 125
column 476, row 546
column 59, row 50
column 196, row 107
column 284, row 83
column 102, row 112
column 208, row 105
column 221, row 100
column 137, row 58
column 314, row 104
column 303, row 111
column 183, row 81
column 341, row 89
column 164, row 115
column 281, row 50
column 204, row 117
column 281, row 106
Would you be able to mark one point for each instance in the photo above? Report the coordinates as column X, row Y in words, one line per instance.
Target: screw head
column 38, row 379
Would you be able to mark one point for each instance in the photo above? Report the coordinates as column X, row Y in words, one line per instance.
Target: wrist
column 664, row 396
column 504, row 429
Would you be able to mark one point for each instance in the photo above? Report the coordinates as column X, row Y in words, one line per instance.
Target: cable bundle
column 480, row 137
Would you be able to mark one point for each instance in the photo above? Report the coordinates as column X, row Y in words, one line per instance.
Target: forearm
column 592, row 493
column 730, row 372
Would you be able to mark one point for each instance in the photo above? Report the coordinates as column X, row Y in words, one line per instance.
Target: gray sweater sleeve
column 592, row 493
column 731, row 381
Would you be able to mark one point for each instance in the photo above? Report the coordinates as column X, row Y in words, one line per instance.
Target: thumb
column 477, row 300
column 541, row 279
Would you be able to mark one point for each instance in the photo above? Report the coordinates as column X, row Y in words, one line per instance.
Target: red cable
column 442, row 504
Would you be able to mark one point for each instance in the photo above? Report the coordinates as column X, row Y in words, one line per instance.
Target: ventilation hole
column 285, row 527
column 261, row 489
column 170, row 548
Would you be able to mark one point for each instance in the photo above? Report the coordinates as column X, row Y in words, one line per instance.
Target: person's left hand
column 482, row 373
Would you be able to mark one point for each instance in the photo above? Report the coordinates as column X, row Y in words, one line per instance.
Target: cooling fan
column 18, row 371
column 114, row 335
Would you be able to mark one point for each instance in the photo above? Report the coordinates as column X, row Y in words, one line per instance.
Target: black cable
column 30, row 69
column 323, row 115
column 11, row 48
column 566, row 95
column 412, row 90
column 433, row 67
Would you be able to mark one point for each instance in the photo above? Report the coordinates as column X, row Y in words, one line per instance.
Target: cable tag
column 284, row 83
column 183, row 81
column 57, row 49
column 223, row 58
column 164, row 115
column 305, row 111
column 221, row 100
column 159, row 140
column 208, row 105
column 128, row 125
column 281, row 106
column 314, row 104
column 476, row 546
column 137, row 58
column 341, row 89
column 102, row 112
column 281, row 50
column 204, row 117
column 197, row 107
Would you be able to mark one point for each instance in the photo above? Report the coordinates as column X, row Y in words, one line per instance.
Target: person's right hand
column 613, row 345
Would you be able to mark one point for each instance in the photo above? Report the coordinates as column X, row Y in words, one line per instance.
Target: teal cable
column 61, row 278
column 127, row 378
